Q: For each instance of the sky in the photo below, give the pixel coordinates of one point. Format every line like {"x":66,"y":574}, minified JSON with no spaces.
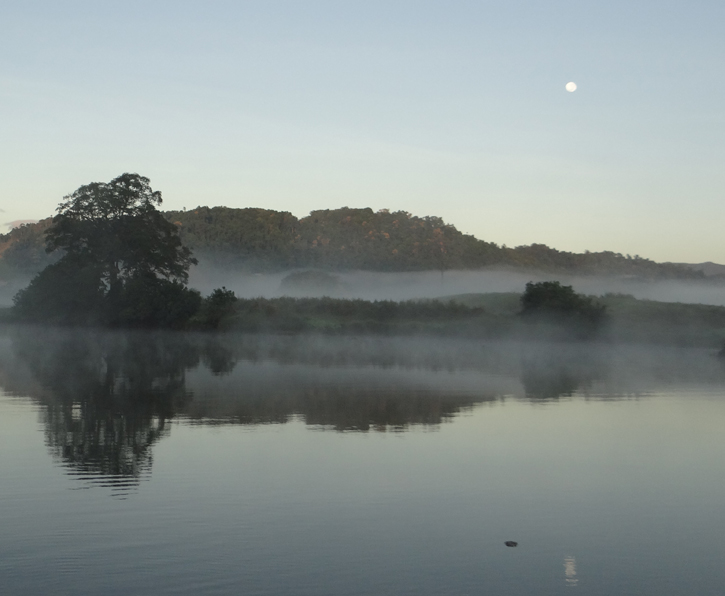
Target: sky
{"x":449,"y":108}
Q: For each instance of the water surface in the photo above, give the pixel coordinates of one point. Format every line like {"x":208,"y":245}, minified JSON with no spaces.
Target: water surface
{"x":138,"y":463}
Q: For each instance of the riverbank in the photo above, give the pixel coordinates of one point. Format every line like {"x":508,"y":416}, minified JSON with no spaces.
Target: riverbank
{"x":486,"y":316}
{"x":474,"y":316}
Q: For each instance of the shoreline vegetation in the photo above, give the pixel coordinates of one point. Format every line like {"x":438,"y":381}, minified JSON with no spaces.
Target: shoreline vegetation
{"x":472,"y":316}
{"x":116,"y":261}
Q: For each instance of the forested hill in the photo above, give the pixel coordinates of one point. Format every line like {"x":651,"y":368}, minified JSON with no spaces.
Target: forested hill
{"x":347,"y":238}
{"x":22,"y":250}
{"x":265,"y":240}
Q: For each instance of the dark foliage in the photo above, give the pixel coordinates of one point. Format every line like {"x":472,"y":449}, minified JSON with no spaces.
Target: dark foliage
{"x":147,"y":301}
{"x":330,"y":315}
{"x":337,"y":239}
{"x":216,"y":307}
{"x":115,"y":226}
{"x":108,"y":396}
{"x":398,"y":241}
{"x":122,"y":262}
{"x":257,"y":239}
{"x":549,"y":302}
{"x":64,"y":293}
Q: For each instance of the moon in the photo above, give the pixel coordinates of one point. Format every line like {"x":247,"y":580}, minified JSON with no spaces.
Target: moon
{"x":571,"y":86}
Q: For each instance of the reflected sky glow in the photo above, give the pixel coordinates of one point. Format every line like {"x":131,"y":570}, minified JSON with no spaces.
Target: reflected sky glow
{"x":286,"y":469}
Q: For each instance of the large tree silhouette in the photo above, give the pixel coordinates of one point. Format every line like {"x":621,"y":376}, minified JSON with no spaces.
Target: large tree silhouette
{"x":122,"y":263}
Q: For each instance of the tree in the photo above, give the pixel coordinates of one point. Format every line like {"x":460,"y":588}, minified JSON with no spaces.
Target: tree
{"x":63,"y":293}
{"x":120,"y":255}
{"x":219,"y":305}
{"x":552,"y":303}
{"x":116,"y":225}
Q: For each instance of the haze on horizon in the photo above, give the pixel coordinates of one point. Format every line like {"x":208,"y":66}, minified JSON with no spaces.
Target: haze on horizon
{"x":455,"y":109}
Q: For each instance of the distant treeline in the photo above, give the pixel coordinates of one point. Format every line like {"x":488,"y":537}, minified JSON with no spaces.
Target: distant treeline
{"x":263,"y":240}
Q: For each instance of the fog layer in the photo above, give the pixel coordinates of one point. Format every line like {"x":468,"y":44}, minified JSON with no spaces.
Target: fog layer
{"x":371,"y":285}
{"x":106,"y":398}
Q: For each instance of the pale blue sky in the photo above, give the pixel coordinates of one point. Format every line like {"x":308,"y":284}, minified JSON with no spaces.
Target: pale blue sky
{"x":455,"y":109}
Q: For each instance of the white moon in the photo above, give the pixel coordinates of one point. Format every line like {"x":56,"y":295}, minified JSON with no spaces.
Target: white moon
{"x":571,"y":86}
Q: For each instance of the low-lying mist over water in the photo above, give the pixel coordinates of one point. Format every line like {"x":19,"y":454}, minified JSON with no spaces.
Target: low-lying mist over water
{"x":107,"y":396}
{"x":372,"y":285}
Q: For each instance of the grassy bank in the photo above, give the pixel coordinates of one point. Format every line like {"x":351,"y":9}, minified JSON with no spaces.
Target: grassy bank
{"x":629,"y":319}
{"x":486,"y":316}
{"x":337,"y":316}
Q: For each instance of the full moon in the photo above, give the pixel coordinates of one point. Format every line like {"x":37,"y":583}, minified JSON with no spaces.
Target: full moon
{"x":571,"y":86}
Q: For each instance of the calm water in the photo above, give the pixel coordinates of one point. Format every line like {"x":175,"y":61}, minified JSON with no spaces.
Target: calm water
{"x":173,"y":464}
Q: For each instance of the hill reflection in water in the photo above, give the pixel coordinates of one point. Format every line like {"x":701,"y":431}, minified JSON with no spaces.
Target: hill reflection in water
{"x":107,"y":397}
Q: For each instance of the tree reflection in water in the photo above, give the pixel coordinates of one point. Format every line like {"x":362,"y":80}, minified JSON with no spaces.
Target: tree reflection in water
{"x":552,"y":375}
{"x":107,"y":397}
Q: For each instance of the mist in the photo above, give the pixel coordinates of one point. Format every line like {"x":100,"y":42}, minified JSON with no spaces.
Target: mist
{"x":106,"y":398}
{"x":371,"y":285}
{"x":411,"y":285}
{"x":8,"y":289}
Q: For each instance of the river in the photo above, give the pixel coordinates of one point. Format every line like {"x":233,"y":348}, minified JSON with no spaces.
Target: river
{"x":139,"y":463}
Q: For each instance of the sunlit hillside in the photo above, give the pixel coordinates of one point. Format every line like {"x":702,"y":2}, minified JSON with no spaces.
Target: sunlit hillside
{"x":263,"y":240}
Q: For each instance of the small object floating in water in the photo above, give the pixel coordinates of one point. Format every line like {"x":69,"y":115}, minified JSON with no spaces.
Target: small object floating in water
{"x":511,"y":543}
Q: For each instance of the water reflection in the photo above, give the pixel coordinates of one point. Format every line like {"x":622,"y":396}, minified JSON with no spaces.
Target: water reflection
{"x":552,"y":375}
{"x":109,"y":397}
{"x":570,"y":572}
{"x":331,"y":399}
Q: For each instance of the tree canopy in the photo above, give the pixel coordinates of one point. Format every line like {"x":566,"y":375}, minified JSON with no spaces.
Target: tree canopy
{"x":117,"y":227}
{"x":552,"y":302}
{"x":122,"y":261}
